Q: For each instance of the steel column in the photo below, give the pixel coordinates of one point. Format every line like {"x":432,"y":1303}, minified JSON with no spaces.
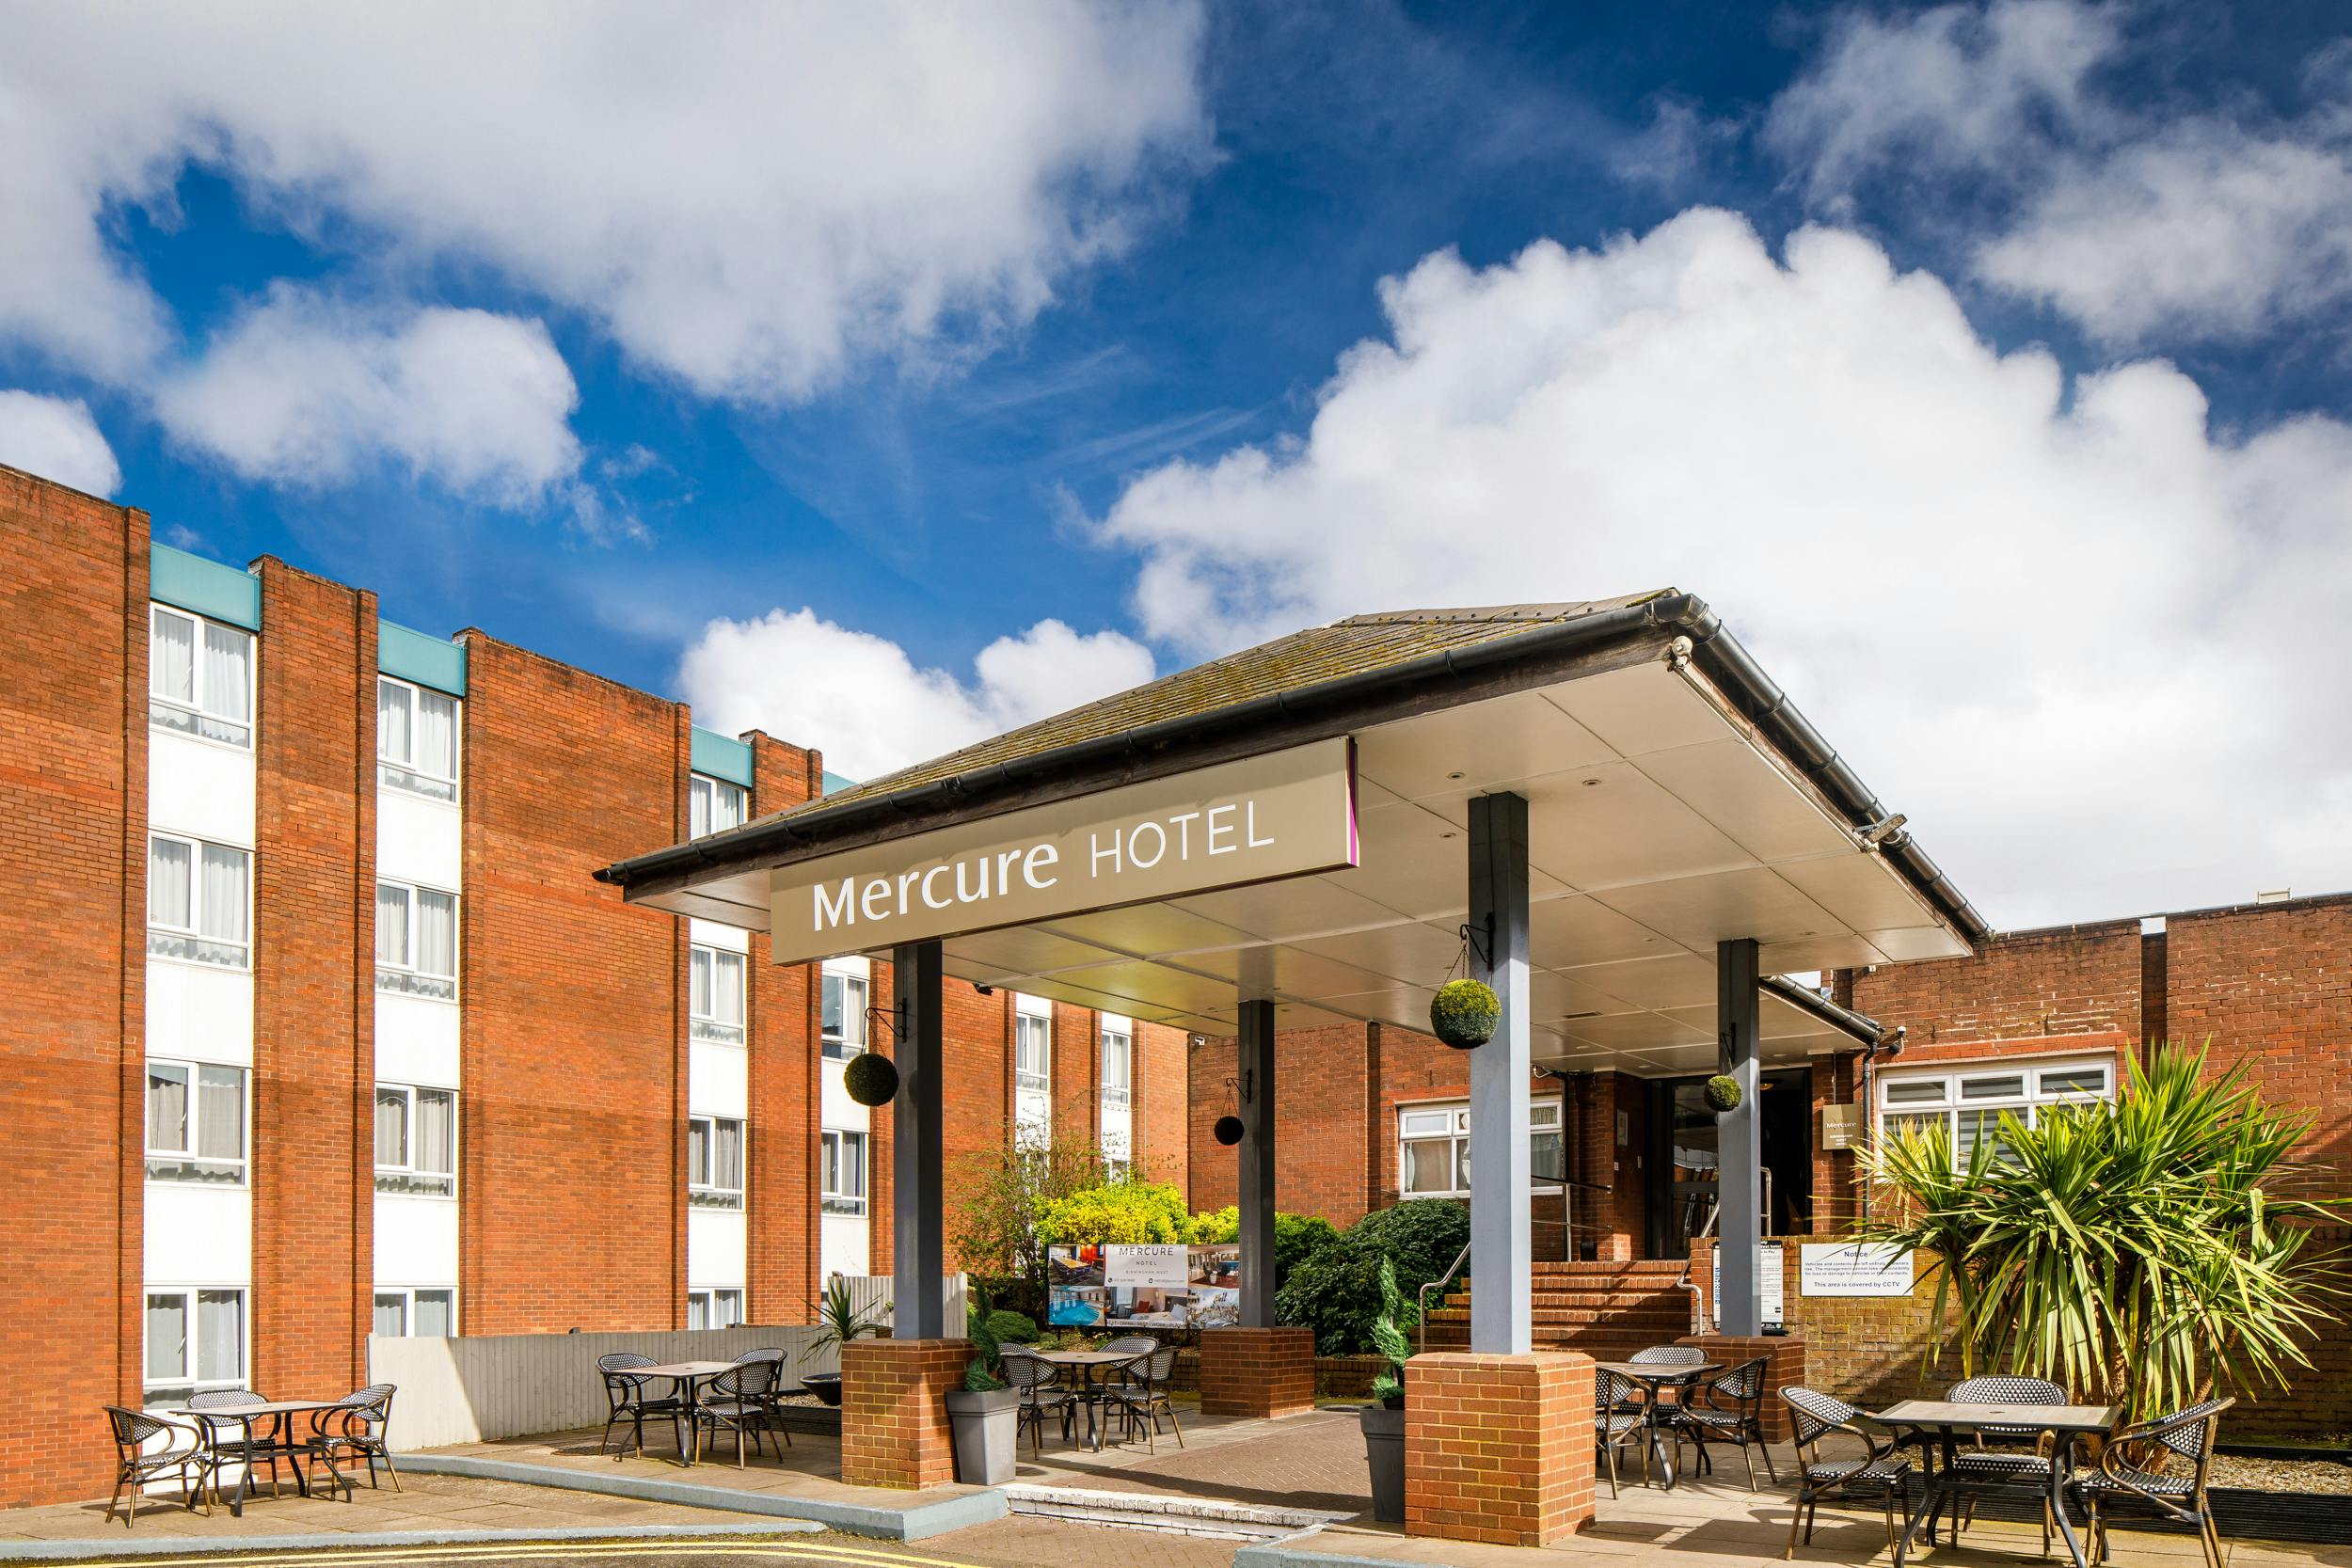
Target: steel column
{"x":1257,"y":1164}
{"x":918,"y":1273}
{"x":1501,"y":1321}
{"x":1738,"y":1142}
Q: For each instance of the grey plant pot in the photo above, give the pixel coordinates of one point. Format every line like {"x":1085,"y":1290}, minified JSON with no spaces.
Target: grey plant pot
{"x":987,"y":1429}
{"x":1384,"y":1449}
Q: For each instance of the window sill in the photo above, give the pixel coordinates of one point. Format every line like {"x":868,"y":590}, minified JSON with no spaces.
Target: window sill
{"x":167,"y":1170}
{"x":439,"y":1189}
{"x":193,"y":728}
{"x":849,"y":1207}
{"x":420,"y":786}
{"x":704,"y":1032}
{"x":422,"y":988}
{"x":157,"y":952}
{"x":708,"y":1198}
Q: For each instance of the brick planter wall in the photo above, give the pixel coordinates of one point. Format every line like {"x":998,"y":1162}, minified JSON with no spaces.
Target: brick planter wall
{"x":1257,"y":1371}
{"x":1347,"y":1377}
{"x":894,"y":1411}
{"x":1499,"y":1448}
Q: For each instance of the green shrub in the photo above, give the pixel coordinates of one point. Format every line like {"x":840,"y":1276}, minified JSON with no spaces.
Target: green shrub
{"x":979,"y":1373}
{"x":1118,"y":1214}
{"x":1013,"y":1328}
{"x":1336,"y":1289}
{"x":1297,"y":1237}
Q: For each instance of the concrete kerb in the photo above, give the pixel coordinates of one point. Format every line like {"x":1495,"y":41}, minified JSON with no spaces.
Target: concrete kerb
{"x":183,"y":1546}
{"x":917,"y":1521}
{"x":1293,"y":1552}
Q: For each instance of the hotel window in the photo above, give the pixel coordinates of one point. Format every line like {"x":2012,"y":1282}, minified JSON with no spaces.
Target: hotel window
{"x":715,"y":995}
{"x":1032,"y":1051}
{"x":841,"y":1182}
{"x":416,"y":739}
{"x":842,"y":1020}
{"x":1967,"y":1102}
{"x":714,"y":1308}
{"x":714,"y":805}
{"x":416,"y":1141}
{"x":416,"y":941}
{"x":714,"y":1161}
{"x":417,"y":1314}
{"x":195,"y":1340}
{"x":1434,"y":1147}
{"x":199,"y":901}
{"x":195,"y":1120}
{"x":199,"y":677}
{"x":1118,"y":1060}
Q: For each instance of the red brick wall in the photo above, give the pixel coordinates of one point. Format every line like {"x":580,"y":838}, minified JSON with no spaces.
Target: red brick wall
{"x":73,"y":830}
{"x":574,"y":1038}
{"x":977,"y":1035}
{"x":1498,"y":1448}
{"x":781,"y":1164}
{"x":894,"y":1411}
{"x":2066,"y":980}
{"x":879,"y":1179}
{"x":313,"y":987}
{"x":1078,"y":1069}
{"x":2271,"y":985}
{"x":1162,"y":1094}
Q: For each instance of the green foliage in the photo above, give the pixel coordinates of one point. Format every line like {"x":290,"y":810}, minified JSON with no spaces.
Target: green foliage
{"x":979,"y":1373}
{"x":1011,"y":1327}
{"x":1002,"y":1193}
{"x":870,"y":1078}
{"x":1297,"y":1237}
{"x":1722,"y":1094}
{"x":1124,"y":1213}
{"x":2135,"y":1252}
{"x":1388,"y":1335}
{"x":838,"y":1321}
{"x":1464,"y":1013}
{"x":1336,"y":1290}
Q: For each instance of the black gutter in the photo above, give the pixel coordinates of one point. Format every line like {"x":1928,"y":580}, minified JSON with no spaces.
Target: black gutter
{"x":1684,"y":614}
{"x":1869,"y":1031}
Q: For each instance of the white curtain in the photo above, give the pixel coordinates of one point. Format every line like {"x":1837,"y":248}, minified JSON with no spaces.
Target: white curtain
{"x":437,"y":933}
{"x":167,"y":1107}
{"x":437,"y":1131}
{"x":391,"y":721}
{"x":392,"y":1315}
{"x":727,"y":1163}
{"x":391,"y":925}
{"x":219,"y":1334}
{"x":433,"y":1315}
{"x":167,"y":1337}
{"x":228,"y":671}
{"x":168,"y":864}
{"x":224,"y":910}
{"x":391,"y":1128}
{"x":698,"y":1153}
{"x":220,"y":1112}
{"x":698,"y":987}
{"x":728,"y":988}
{"x":436,"y":733}
{"x":171,"y":656}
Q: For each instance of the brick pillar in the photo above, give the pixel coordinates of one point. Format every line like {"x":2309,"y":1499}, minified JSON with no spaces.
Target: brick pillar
{"x":894,"y":1411}
{"x":781,"y":1223}
{"x":1497,"y":1448}
{"x":1257,"y":1371}
{"x":1785,"y":1357}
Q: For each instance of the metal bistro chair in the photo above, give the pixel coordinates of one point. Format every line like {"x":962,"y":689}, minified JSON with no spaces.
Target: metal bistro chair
{"x":1880,"y":1470}
{"x":1142,"y":1395}
{"x":247,"y":1450}
{"x":2188,"y":1434}
{"x":772,"y":1357}
{"x":2000,"y":1460}
{"x":357,"y":1425}
{"x":1038,"y":1382}
{"x":1620,"y":1415}
{"x":737,"y":1400}
{"x":1729,"y":1408}
{"x":1669,"y":1412}
{"x":136,"y":1464}
{"x":626,"y":1398}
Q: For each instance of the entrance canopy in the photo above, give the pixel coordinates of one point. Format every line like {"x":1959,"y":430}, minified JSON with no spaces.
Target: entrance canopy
{"x":1676,"y":800}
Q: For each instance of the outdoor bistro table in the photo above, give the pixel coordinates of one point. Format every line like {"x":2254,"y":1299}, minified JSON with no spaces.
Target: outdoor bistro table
{"x":1655,"y":1377}
{"x":690,"y":1376}
{"x":1088,"y":1362}
{"x":1941,"y":1423}
{"x":280,"y":1414}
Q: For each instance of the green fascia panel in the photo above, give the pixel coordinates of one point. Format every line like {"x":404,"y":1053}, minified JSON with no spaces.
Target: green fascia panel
{"x":432,"y":662}
{"x":207,"y":587}
{"x":834,"y":783}
{"x":722,"y":756}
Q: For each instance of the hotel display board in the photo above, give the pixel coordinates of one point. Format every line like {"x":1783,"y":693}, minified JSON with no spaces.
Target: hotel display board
{"x":1286,"y":814}
{"x":1143,"y":1287}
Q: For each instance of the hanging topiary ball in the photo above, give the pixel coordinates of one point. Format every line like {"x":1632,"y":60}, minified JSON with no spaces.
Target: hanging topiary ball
{"x":871,"y":1078}
{"x":1722,"y":1094}
{"x":1464,"y":1013}
{"x":1228,"y":1130}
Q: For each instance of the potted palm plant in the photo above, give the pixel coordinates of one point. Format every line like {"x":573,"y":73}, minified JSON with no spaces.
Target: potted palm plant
{"x":838,"y":1321}
{"x":985,"y":1412}
{"x":1384,"y":1419}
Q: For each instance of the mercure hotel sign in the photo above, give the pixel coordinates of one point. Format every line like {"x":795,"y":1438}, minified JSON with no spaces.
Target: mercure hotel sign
{"x":1282,"y":815}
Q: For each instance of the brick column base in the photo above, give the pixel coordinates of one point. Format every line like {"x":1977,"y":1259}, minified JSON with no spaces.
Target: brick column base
{"x":1257,"y":1371}
{"x":1785,"y":1355}
{"x":1499,"y":1448}
{"x":894,"y":1411}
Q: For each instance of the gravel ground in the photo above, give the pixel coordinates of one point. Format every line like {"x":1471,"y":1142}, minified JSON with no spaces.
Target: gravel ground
{"x":2282,"y":1475}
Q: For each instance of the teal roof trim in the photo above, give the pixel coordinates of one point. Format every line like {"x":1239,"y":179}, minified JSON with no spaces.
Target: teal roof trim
{"x":432,"y":662}
{"x":835,"y":781}
{"x":722,"y":756}
{"x":207,"y":587}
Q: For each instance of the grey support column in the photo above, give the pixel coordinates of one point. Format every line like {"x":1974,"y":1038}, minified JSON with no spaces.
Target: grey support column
{"x":918,"y":1259}
{"x":1738,"y":1143}
{"x":1501,"y":1310}
{"x":1257,"y":1164}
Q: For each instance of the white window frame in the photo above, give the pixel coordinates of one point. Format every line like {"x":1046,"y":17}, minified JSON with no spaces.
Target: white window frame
{"x":408,"y":773}
{"x":705,"y":798}
{"x":1039,"y":1078}
{"x":707,"y":1300}
{"x":702,"y":1021}
{"x":184,"y":1165}
{"x":404,"y":977}
{"x":407,"y":1295}
{"x":1897,"y":1097}
{"x":190,"y":1297}
{"x":198,"y":713}
{"x":1543,"y":1118}
{"x":1120,"y":1096}
{"x":411,"y":1180}
{"x":849,"y":1039}
{"x":163,"y":937}
{"x":702,"y":1190}
{"x":834,"y":1145}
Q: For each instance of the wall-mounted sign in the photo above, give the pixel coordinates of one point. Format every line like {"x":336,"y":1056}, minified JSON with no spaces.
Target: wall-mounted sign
{"x":1147,"y":1267}
{"x":1283,"y":815}
{"x":1770,"y":1286}
{"x":1852,"y":1269}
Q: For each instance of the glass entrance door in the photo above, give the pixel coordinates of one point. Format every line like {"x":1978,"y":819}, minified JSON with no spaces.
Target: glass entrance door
{"x":1683,"y":1172}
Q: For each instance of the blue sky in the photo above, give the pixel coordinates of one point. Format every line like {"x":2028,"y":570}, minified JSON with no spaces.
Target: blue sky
{"x":884,"y":375}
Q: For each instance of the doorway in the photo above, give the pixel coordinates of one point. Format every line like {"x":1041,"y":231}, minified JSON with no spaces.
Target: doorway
{"x":1683,"y":1170}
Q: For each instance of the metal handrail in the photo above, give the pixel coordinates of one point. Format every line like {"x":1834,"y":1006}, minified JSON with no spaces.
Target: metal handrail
{"x":1420,"y":1303}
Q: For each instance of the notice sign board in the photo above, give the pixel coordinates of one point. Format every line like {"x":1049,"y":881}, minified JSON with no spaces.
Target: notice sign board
{"x":1852,"y":1269}
{"x":1286,"y":814}
{"x":1145,"y":1267}
{"x":1770,"y":1287}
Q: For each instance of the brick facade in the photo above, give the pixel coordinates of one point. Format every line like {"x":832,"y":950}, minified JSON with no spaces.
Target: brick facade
{"x":1498,"y":1448}
{"x":782,"y":1259}
{"x":1257,"y":1373}
{"x":894,"y":1411}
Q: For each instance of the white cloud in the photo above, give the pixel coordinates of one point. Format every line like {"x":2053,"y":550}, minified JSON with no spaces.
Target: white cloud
{"x":302,"y":390}
{"x":56,"y":438}
{"x":870,"y":707}
{"x":2077,"y":635}
{"x":745,"y":202}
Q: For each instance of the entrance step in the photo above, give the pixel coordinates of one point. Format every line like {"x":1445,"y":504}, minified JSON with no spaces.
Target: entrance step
{"x":1168,"y":1514}
{"x":1605,"y":1309}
